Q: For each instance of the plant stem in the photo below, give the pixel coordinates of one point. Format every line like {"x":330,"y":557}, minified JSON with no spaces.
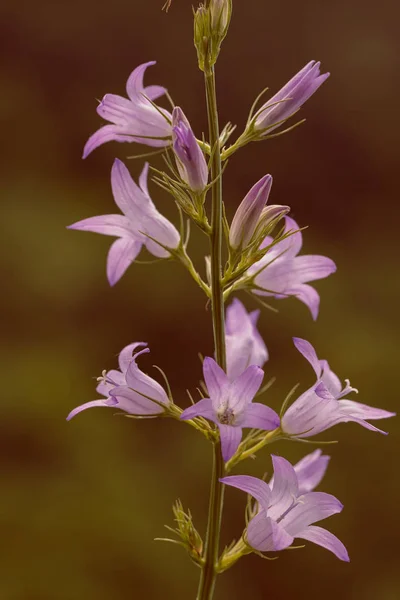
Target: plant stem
{"x":211,"y":548}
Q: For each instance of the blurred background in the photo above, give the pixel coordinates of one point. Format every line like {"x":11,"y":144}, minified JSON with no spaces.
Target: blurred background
{"x":81,"y":502}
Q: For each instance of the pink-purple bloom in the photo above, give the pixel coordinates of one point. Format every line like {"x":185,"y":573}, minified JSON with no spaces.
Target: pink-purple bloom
{"x":281,"y":273}
{"x":136,"y":119}
{"x":287,"y":512}
{"x":135,"y":228}
{"x":244,"y":344}
{"x":129,"y":389}
{"x":230,"y":405}
{"x":309,"y":471}
{"x":253,"y":213}
{"x":190,"y":159}
{"x":290,"y":98}
{"x":324,"y":404}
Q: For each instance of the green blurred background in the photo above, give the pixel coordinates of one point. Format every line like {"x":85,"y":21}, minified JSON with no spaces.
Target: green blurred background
{"x":81,"y":502}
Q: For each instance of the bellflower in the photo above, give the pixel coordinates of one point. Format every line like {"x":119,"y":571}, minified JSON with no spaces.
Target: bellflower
{"x":190,"y":159}
{"x":230,"y":405}
{"x":287,"y":513}
{"x":128,"y":389}
{"x":244,"y":344}
{"x":134,"y":120}
{"x":290,"y":98}
{"x":324,"y":405}
{"x":281,"y":273}
{"x":140,"y":219}
{"x":252,"y":213}
{"x":309,"y":471}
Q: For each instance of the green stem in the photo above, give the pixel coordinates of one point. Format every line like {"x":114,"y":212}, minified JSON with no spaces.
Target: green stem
{"x":211,"y":548}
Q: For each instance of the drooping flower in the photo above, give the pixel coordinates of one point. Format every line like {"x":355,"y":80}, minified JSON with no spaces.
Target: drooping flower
{"x":252,"y":214}
{"x":244,"y":344}
{"x":140,"y":219}
{"x":190,"y":159}
{"x":309,"y":471}
{"x":287,"y":513}
{"x":324,"y":404}
{"x":281,"y":273}
{"x":134,"y":120}
{"x":290,"y":98}
{"x":230,"y":405}
{"x":128,"y":389}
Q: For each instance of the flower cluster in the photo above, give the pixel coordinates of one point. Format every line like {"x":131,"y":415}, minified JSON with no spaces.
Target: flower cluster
{"x":262,"y":245}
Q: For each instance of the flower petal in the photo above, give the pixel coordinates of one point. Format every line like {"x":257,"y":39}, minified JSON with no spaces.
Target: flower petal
{"x":153,"y":92}
{"x":116,"y":225}
{"x":244,"y":388}
{"x":308,"y":295}
{"x":159,"y":228}
{"x":230,"y":440}
{"x":216,"y":380}
{"x":326,"y":539}
{"x":265,"y":535}
{"x":118,"y":110}
{"x":109,"y":133}
{"x":121,"y":254}
{"x":363,"y":411}
{"x":310,"y":470}
{"x":244,"y":344}
{"x":307,"y":350}
{"x":127,"y":195}
{"x":125,"y":356}
{"x":311,"y":267}
{"x":285,"y":488}
{"x":331,"y":380}
{"x":134,"y":85}
{"x":144,"y":384}
{"x":143,"y":179}
{"x":87,"y":405}
{"x":203,"y":408}
{"x":310,"y":414}
{"x":114,"y":376}
{"x":251,"y":485}
{"x":310,"y":508}
{"x":133,"y":403}
{"x":259,"y":416}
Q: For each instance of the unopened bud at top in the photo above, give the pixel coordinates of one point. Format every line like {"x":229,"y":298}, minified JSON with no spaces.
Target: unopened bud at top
{"x":190,"y":159}
{"x":220,"y":11}
{"x":248,"y":215}
{"x":211,"y":24}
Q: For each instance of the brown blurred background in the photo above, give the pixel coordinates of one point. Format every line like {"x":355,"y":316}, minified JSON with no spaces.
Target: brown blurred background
{"x":81,"y":502}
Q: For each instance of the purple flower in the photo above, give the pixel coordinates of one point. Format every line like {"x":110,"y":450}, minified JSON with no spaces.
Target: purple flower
{"x":190,"y":159}
{"x":230,"y":405}
{"x":324,"y":405}
{"x":309,"y":470}
{"x":140,"y":219}
{"x":253,"y":214}
{"x":128,"y":389}
{"x":244,"y":344}
{"x":133,"y":120}
{"x":282,"y":273}
{"x":290,"y":98}
{"x":286,"y":512}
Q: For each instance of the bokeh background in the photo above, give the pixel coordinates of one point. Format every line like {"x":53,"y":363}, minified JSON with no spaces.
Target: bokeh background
{"x":81,"y":502}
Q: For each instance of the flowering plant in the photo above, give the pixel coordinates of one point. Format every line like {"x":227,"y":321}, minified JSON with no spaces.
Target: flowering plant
{"x":257,"y":253}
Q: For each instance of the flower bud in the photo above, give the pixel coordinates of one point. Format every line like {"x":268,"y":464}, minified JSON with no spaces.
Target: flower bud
{"x":190,"y":159}
{"x":248,"y":214}
{"x":221,"y":11}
